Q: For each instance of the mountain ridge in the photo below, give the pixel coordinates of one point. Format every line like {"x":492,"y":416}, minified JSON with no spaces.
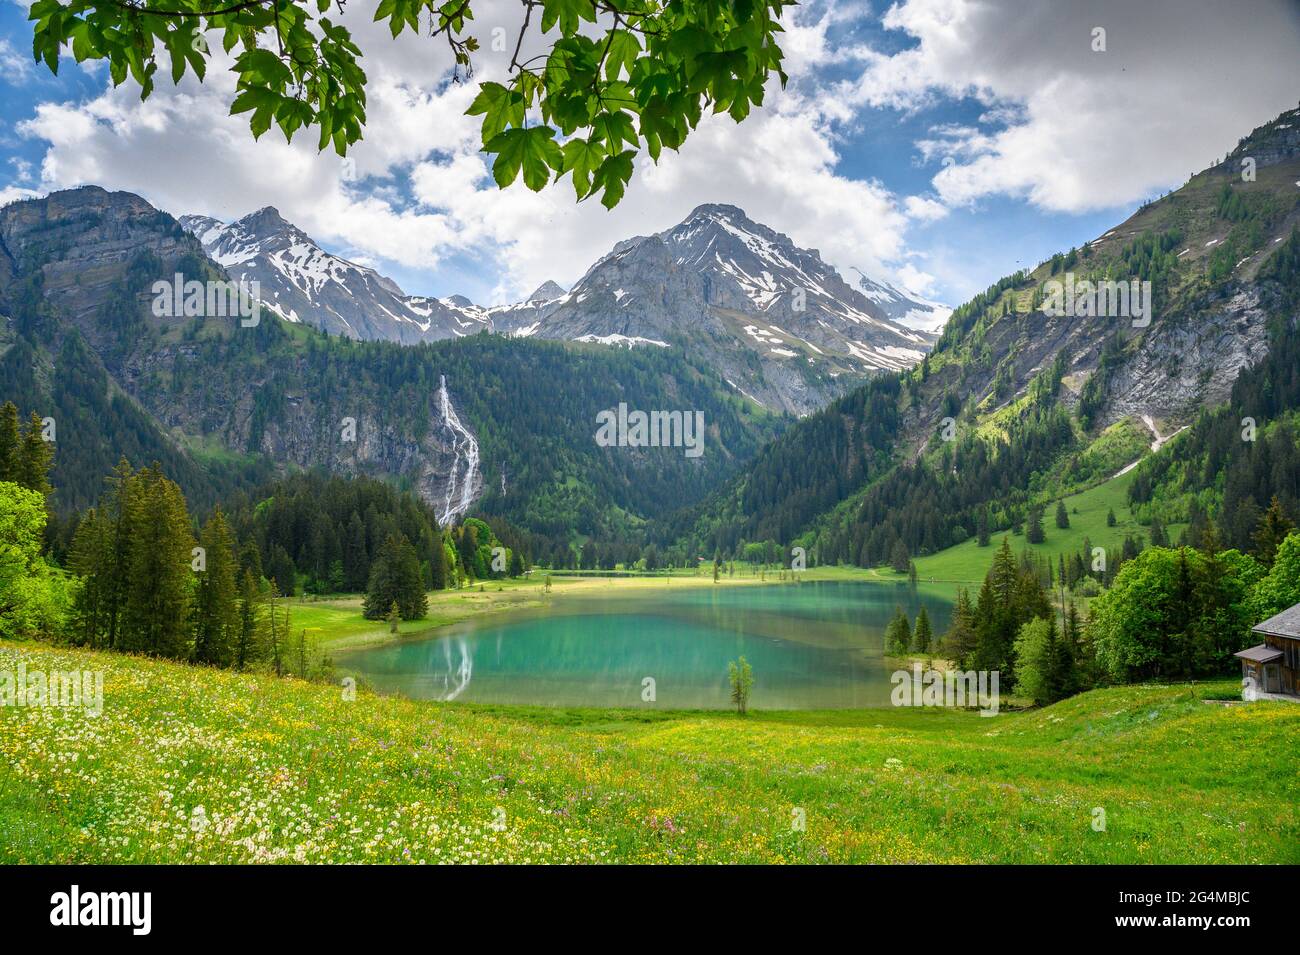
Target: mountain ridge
{"x":782,"y":327}
{"x":1016,"y":402}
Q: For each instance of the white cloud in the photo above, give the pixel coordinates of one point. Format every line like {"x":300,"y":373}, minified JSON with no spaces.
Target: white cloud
{"x":1087,"y":130}
{"x":15,"y":67}
{"x":924,"y":209}
{"x":182,"y":151}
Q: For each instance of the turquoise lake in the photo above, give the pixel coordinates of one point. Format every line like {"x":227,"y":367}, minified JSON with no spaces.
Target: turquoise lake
{"x":813,"y":645}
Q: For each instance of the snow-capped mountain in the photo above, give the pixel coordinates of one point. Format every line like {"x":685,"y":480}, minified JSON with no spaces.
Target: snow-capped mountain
{"x":301,"y":282}
{"x":904,"y":308}
{"x":777,"y":323}
{"x":781,"y":325}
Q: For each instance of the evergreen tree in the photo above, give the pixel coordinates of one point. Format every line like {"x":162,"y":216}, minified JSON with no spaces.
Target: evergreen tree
{"x":277,"y":624}
{"x":122,"y":487}
{"x":159,"y":583}
{"x":1034,"y":533}
{"x":438,"y":578}
{"x":1011,"y":596}
{"x":1274,"y":528}
{"x":922,"y":636}
{"x":960,"y":641}
{"x":250,"y":642}
{"x":899,"y":558}
{"x":1110,"y":517}
{"x":395,"y":579}
{"x":982,"y":528}
{"x":1044,"y":667}
{"x":91,"y":559}
{"x":34,"y":458}
{"x":10,"y":441}
{"x":250,"y":560}
{"x":898,"y":635}
{"x":1062,"y":516}
{"x":467,"y":550}
{"x":356,"y":562}
{"x":283,"y":572}
{"x":217,"y":623}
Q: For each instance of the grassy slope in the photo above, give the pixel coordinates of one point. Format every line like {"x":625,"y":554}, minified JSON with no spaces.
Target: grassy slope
{"x":286,"y":770}
{"x":968,"y":562}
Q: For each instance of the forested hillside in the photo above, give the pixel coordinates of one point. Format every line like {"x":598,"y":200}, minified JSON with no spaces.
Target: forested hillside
{"x":1019,"y":405}
{"x":222,"y":406}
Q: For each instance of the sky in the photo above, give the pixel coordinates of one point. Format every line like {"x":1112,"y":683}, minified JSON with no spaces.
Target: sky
{"x":934,"y":144}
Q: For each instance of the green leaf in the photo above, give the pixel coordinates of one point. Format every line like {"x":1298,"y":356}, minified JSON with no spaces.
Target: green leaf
{"x":567,"y":13}
{"x":615,"y":128}
{"x":499,"y":107}
{"x":613,"y":176}
{"x":581,"y":158}
{"x":623,"y":51}
{"x":533,"y":150}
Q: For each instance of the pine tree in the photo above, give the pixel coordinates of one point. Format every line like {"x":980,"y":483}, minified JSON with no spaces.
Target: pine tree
{"x":277,"y":629}
{"x":160,"y":583}
{"x":250,"y":560}
{"x":115,"y":509}
{"x":1010,"y":597}
{"x":982,"y":528}
{"x":1274,"y":527}
{"x":960,"y":641}
{"x":1062,"y":516}
{"x":395,"y":578}
{"x":283,"y":571}
{"x":438,"y":564}
{"x":217,"y":624}
{"x":922,"y":635}
{"x":355,"y":559}
{"x":91,"y":558}
{"x":10,"y":441}
{"x":1034,"y":533}
{"x":898,"y":635}
{"x":899,"y":558}
{"x":250,"y":642}
{"x":467,"y":549}
{"x":35,"y":456}
{"x":1110,"y":517}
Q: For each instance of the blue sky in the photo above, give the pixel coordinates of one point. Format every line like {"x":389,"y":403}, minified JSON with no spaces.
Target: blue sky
{"x":937,"y":144}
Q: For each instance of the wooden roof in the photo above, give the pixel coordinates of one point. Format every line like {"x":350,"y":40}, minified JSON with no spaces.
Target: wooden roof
{"x":1260,"y":654}
{"x":1284,"y":624}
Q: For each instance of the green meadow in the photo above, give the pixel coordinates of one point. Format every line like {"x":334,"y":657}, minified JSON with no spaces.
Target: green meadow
{"x":189,"y":764}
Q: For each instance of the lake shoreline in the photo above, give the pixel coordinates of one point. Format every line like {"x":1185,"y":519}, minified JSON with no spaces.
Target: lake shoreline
{"x":450,"y":607}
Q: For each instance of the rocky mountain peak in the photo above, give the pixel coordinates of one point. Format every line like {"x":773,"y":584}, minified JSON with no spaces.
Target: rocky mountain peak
{"x":546,"y":292}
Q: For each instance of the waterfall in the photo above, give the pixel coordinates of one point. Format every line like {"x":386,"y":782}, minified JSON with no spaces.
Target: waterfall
{"x":460,"y":488}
